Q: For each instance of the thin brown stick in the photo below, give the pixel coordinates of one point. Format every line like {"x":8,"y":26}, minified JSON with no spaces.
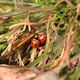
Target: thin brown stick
{"x":21,"y":43}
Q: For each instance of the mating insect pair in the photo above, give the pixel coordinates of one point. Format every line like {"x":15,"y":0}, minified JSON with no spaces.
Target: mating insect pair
{"x":41,"y":39}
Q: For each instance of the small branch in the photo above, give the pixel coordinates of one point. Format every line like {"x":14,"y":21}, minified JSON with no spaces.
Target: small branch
{"x":21,"y":43}
{"x":25,"y":40}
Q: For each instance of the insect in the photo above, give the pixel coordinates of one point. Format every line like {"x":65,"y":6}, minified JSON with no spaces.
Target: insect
{"x":35,"y":43}
{"x":42,"y":38}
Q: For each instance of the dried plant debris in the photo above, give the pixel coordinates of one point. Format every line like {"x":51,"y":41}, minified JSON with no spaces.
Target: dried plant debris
{"x":44,"y":34}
